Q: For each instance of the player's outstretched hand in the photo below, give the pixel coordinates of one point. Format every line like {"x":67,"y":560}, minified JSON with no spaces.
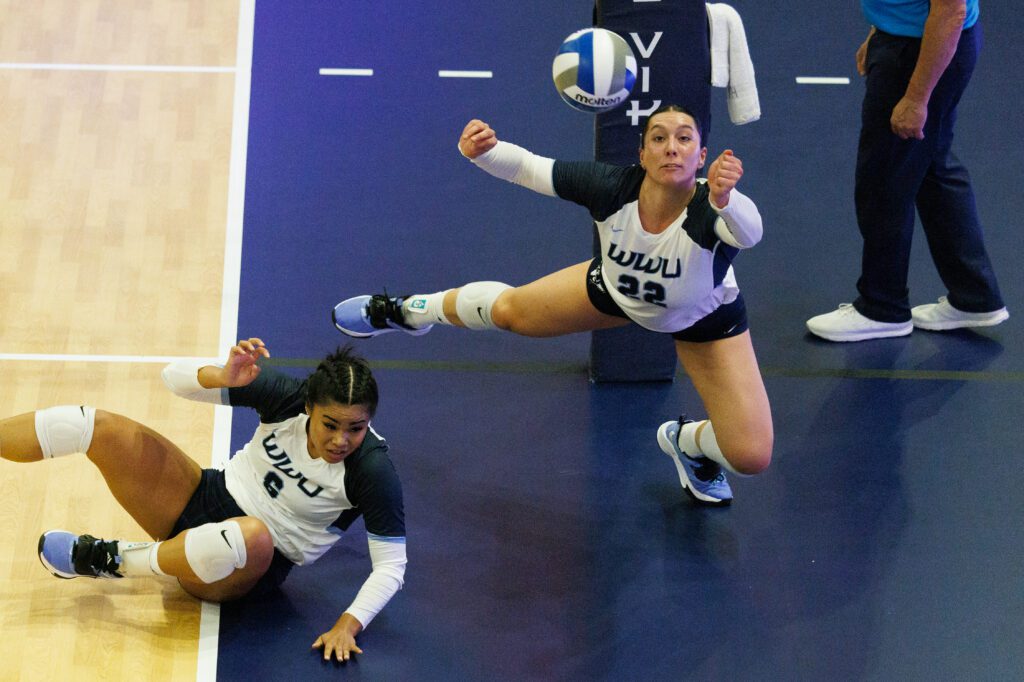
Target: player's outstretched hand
{"x":340,"y":641}
{"x":723,"y":175}
{"x":241,"y":368}
{"x":477,"y":138}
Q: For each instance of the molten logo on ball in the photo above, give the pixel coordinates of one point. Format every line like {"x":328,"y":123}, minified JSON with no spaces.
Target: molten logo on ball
{"x":594,"y":70}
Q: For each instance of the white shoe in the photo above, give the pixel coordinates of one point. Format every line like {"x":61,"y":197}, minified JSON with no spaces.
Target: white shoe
{"x":846,"y":324}
{"x":942,"y":316}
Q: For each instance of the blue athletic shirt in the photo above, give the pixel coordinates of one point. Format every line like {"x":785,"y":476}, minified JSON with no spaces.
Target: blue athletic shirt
{"x":907,"y":17}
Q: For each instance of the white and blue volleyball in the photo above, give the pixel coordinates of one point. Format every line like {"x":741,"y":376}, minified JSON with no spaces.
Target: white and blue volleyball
{"x":594,"y":70}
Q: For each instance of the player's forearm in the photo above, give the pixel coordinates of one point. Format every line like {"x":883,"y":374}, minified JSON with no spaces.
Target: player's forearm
{"x":938,"y":44}
{"x":385,"y":580}
{"x":376,"y":592}
{"x":515,"y":164}
{"x":185,"y":378}
{"x":741,"y":224}
{"x":211,"y":376}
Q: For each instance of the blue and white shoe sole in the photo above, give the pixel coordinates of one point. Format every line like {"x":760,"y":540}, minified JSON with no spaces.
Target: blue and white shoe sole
{"x":350,"y":332}
{"x":672,"y":450}
{"x":373,"y":331}
{"x":57,"y":573}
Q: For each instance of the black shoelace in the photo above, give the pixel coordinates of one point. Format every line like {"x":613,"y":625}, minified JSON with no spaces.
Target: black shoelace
{"x":92,"y":556}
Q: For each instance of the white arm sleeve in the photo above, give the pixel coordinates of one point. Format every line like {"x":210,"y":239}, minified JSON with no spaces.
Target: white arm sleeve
{"x":515,"y":164}
{"x":739,"y":223}
{"x":182,"y":377}
{"x":386,"y":578}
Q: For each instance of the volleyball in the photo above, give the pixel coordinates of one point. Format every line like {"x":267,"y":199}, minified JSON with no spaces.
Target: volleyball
{"x":594,"y":70}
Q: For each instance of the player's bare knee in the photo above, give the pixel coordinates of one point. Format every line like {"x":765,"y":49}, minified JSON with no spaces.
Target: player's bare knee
{"x":503,"y":313}
{"x":514,"y":315}
{"x":111,"y":434}
{"x":259,"y":544}
{"x":225,"y":590}
{"x":753,"y":465}
{"x":111,"y":429}
{"x":750,"y":457}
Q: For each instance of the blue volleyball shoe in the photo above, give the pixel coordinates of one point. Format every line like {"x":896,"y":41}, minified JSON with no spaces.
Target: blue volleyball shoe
{"x":67,"y":555}
{"x":703,"y":479}
{"x":368,"y":316}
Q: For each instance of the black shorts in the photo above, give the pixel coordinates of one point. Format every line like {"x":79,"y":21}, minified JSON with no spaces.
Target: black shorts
{"x":725,"y":321}
{"x":212,"y":503}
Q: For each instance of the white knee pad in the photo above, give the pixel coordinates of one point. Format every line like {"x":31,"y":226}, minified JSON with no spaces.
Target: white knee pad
{"x":65,"y":430}
{"x":215,"y":550}
{"x":474,"y":302}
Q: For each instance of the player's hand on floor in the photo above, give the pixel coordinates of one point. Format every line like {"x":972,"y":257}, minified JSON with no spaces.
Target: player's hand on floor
{"x":340,"y":641}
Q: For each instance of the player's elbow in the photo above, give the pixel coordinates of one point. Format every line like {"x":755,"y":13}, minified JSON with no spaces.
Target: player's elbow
{"x":395,"y":573}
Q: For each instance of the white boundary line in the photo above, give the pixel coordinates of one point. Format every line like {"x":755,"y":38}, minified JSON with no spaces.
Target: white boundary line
{"x":822,"y":80}
{"x":465,"y":74}
{"x":131,"y":359}
{"x":209,"y":617}
{"x":346,"y":72}
{"x":25,"y":66}
{"x":443,"y":73}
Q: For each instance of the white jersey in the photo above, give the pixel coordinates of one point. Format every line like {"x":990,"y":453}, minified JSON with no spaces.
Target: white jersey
{"x":664,"y":282}
{"x":306,"y":502}
{"x":274,"y":479}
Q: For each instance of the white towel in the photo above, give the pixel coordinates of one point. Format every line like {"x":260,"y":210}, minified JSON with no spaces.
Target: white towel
{"x":731,"y":66}
{"x":719,"y":44}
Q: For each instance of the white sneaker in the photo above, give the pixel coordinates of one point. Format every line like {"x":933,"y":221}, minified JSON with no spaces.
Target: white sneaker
{"x":942,"y":316}
{"x":846,"y":324}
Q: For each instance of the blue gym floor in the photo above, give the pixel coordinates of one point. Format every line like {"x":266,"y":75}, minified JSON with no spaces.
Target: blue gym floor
{"x":548,"y":536}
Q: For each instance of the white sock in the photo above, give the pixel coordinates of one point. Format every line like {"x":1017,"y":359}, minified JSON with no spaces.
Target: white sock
{"x":703,"y":445}
{"x":424,"y":310}
{"x":139,"y":558}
